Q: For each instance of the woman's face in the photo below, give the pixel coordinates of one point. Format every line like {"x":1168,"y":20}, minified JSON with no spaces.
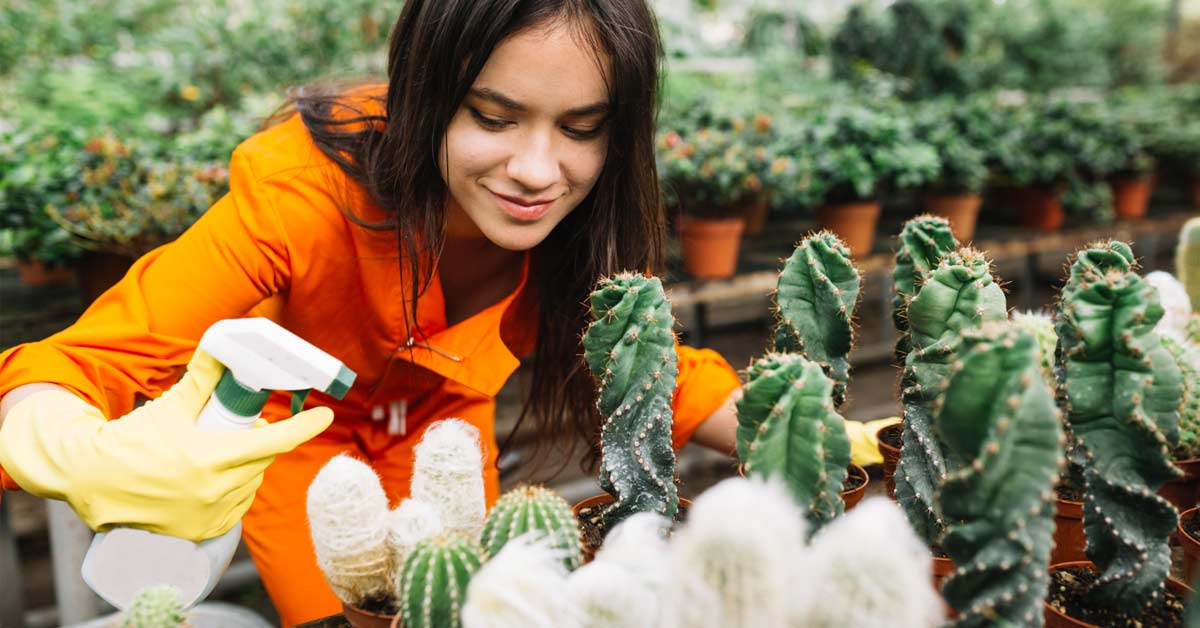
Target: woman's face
{"x":529,"y":140}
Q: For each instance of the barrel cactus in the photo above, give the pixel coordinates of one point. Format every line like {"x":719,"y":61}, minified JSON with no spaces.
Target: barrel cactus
{"x":999,"y":426}
{"x":527,"y":509}
{"x":814,"y":303}
{"x":1187,"y":260}
{"x":1123,"y":394}
{"x":155,"y":607}
{"x":958,"y":295}
{"x":788,"y":428}
{"x":923,"y":242}
{"x":433,"y":582}
{"x":1187,"y":357}
{"x":630,"y":349}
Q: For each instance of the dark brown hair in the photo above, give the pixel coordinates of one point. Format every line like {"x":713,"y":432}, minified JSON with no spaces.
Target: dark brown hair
{"x":437,"y":50}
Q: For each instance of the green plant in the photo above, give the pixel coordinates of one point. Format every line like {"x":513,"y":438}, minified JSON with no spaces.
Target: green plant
{"x":999,"y":428}
{"x":960,"y":294}
{"x":860,"y":151}
{"x":1187,"y":358}
{"x":924,"y":242}
{"x":155,"y":607}
{"x":1187,"y":260}
{"x":815,"y":300}
{"x":535,"y":509}
{"x":433,"y":582}
{"x":1051,"y":142}
{"x":1041,"y":327}
{"x":712,"y":172}
{"x":630,"y":349}
{"x":788,"y":429}
{"x":963,"y":163}
{"x":1122,"y":388}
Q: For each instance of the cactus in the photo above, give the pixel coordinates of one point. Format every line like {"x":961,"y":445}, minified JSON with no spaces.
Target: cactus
{"x":1041,"y":327}
{"x":1187,"y":358}
{"x":815,"y":300}
{"x":522,"y":586}
{"x":787,"y":428}
{"x":623,"y":586}
{"x":1191,"y":332}
{"x":407,"y":525}
{"x":347,"y":515}
{"x":867,"y":568}
{"x":533,"y":509}
{"x":158,"y":606}
{"x":1177,"y":306}
{"x":1123,"y":395}
{"x":999,"y":427}
{"x":960,"y":294}
{"x":434,"y":580}
{"x":924,"y":242}
{"x":1187,"y":260}
{"x":630,"y":349}
{"x":448,"y":475}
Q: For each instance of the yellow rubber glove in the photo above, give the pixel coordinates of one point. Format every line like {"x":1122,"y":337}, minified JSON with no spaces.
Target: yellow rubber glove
{"x":864,"y":448}
{"x":151,"y":468}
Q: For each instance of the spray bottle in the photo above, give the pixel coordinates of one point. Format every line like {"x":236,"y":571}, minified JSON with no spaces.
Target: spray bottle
{"x":259,"y":357}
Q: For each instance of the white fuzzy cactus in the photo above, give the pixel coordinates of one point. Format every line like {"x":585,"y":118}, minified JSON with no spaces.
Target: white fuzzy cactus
{"x":867,"y":568}
{"x":523,"y":586}
{"x":347,"y":515}
{"x":623,"y":586}
{"x":448,"y":475}
{"x":1177,"y":305}
{"x":733,"y":559}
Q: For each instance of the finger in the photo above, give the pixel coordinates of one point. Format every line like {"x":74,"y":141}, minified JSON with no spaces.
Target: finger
{"x":276,"y":438}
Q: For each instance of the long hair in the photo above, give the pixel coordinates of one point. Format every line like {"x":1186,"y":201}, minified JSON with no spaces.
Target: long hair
{"x":437,"y":50}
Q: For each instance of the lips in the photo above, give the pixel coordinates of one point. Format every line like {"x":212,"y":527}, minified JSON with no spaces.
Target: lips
{"x":525,"y":210}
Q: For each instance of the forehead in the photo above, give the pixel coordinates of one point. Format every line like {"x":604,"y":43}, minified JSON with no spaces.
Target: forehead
{"x":548,"y":68}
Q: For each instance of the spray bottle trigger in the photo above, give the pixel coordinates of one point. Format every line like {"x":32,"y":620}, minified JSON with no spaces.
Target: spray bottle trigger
{"x":298,"y":397}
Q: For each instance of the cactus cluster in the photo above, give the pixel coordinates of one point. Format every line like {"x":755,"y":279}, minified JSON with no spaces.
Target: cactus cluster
{"x":815,"y":300}
{"x":923,"y":242}
{"x":1122,"y":388}
{"x":433,"y":582}
{"x":999,"y":426}
{"x":630,"y":349}
{"x":960,"y":294}
{"x":158,"y":606}
{"x":533,"y":509}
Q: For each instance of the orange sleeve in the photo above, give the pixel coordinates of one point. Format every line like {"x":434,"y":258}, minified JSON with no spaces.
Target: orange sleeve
{"x":704,"y":383}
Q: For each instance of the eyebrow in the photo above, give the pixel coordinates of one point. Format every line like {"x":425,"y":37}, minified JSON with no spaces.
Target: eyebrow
{"x":508,"y":103}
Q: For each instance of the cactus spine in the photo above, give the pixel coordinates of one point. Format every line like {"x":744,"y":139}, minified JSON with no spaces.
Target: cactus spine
{"x":924,"y":242}
{"x":155,"y":607}
{"x":815,"y":300}
{"x":630,"y":349}
{"x":787,"y":428}
{"x":1123,"y":394}
{"x":999,"y":426}
{"x":533,"y":509}
{"x":434,"y":580}
{"x":959,"y":295}
{"x":1187,"y":260}
{"x":1187,"y":358}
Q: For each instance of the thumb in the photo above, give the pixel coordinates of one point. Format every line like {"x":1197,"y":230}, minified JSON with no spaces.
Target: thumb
{"x":278,"y":437}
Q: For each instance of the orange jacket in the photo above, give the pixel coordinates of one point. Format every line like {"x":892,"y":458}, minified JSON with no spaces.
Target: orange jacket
{"x":277,"y":246}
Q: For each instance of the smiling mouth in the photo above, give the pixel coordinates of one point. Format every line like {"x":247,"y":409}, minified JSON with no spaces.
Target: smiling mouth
{"x":522,"y":209}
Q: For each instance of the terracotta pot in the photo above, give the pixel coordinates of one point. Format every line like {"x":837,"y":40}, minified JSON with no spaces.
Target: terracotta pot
{"x":942,"y":567}
{"x":1040,"y":208}
{"x":359,"y":618}
{"x":396,"y":623}
{"x":710,"y":246}
{"x":1131,"y":196}
{"x":35,"y":273}
{"x":855,"y":495}
{"x":961,"y":210}
{"x":854,"y":223}
{"x":755,"y":211}
{"x":1069,"y":539}
{"x":97,"y":272}
{"x":891,"y":458}
{"x":1185,"y":491}
{"x":1056,"y":619}
{"x":589,"y":551}
{"x":1189,"y":543}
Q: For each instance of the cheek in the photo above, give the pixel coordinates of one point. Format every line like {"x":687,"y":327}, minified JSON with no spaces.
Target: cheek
{"x":584,"y":163}
{"x":470,"y":151}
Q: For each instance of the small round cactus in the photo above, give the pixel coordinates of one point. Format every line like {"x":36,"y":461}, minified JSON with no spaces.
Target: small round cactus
{"x":533,"y":509}
{"x":155,"y":607}
{"x":434,"y":580}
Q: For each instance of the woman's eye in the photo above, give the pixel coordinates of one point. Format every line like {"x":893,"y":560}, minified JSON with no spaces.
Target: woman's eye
{"x":584,"y":132}
{"x":491,"y":123}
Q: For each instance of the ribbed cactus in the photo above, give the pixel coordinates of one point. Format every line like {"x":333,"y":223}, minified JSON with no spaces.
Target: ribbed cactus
{"x":434,"y":580}
{"x":533,"y":509}
{"x":155,"y":607}
{"x":958,"y":295}
{"x":999,"y":426}
{"x":1187,"y":260}
{"x":630,"y":350}
{"x":1123,"y":395}
{"x":924,"y":242}
{"x":1041,"y":327}
{"x":815,"y":300}
{"x":1187,"y":358}
{"x":787,"y":428}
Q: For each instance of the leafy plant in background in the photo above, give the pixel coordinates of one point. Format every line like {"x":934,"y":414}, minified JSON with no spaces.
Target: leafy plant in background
{"x":963,"y":161}
{"x":712,"y":172}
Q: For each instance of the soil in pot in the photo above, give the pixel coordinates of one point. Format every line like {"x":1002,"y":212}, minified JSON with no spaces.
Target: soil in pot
{"x":854,"y":486}
{"x":374,"y":613}
{"x":890,"y":443}
{"x":1069,"y":584}
{"x":591,"y":526}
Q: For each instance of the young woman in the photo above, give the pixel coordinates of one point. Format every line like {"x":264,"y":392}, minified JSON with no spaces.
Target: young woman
{"x":427,"y":233}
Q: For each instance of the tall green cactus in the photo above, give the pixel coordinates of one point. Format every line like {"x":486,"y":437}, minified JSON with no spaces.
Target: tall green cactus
{"x":433,"y":582}
{"x":630,"y":349}
{"x":533,"y":509}
{"x":814,"y":303}
{"x":1123,"y":395}
{"x":924,"y":242}
{"x":788,"y":428}
{"x":999,"y":425}
{"x":1187,"y":260}
{"x":1187,"y":358}
{"x":958,"y":295}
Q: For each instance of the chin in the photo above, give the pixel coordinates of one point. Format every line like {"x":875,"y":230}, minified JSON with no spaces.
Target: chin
{"x":512,"y":238}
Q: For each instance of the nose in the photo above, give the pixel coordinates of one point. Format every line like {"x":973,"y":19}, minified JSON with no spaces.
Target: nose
{"x":534,"y":164}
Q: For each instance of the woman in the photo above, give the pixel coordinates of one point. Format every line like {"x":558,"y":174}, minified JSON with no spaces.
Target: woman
{"x":427,"y":233}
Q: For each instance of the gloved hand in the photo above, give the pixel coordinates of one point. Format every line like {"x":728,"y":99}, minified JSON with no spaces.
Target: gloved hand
{"x":151,"y":468}
{"x":864,"y":448}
